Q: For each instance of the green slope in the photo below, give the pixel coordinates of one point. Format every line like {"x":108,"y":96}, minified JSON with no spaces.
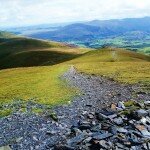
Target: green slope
{"x":121,"y":65}
{"x":6,"y":35}
{"x":23,"y":52}
{"x":112,"y":55}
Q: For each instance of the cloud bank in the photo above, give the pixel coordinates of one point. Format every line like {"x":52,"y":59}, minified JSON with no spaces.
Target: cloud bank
{"x":29,"y":12}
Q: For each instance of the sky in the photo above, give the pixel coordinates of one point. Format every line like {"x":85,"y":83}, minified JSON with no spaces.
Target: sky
{"x":33,"y":12}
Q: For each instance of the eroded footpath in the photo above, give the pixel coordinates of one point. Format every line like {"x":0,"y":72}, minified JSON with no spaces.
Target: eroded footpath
{"x":106,"y":115}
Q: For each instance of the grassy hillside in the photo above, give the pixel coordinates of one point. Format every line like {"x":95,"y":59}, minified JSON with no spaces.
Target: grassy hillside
{"x":121,"y":65}
{"x":44,"y":84}
{"x":111,"y":55}
{"x":6,"y":36}
{"x":23,"y":52}
{"x":34,"y":82}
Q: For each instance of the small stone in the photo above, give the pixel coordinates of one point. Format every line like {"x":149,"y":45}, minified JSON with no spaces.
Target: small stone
{"x":145,"y":146}
{"x":104,"y":144}
{"x":127,"y":143}
{"x":63,"y":147}
{"x":118,"y":121}
{"x":145,"y":133}
{"x":76,"y":140}
{"x":35,"y":138}
{"x":84,"y":125}
{"x":87,"y":140}
{"x":84,"y":112}
{"x":113,"y":107}
{"x":99,"y":136}
{"x":143,"y":120}
{"x":140,"y":127}
{"x":19,"y":139}
{"x":93,"y":123}
{"x":107,"y":112}
{"x":113,"y":130}
{"x":133,"y":148}
{"x":147,"y":103}
{"x":141,"y":113}
{"x":90,"y":116}
{"x":101,"y":117}
{"x":76,"y":131}
{"x":121,"y":105}
{"x":119,"y":109}
{"x":51,"y":132}
{"x":89,"y":105}
{"x":112,"y":116}
{"x":96,"y":128}
{"x":120,"y":146}
{"x":122,"y":130}
{"x":54,"y":116}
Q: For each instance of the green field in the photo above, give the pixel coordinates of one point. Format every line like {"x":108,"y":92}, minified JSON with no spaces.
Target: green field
{"x":133,"y":42}
{"x":43,"y":82}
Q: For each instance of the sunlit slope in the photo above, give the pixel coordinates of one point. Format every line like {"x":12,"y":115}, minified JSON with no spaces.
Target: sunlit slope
{"x":41,"y":83}
{"x":121,"y":65}
{"x":6,"y":35}
{"x":112,"y":55}
{"x":23,"y":52}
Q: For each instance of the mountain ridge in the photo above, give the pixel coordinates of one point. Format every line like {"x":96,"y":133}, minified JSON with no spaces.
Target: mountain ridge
{"x":104,"y":28}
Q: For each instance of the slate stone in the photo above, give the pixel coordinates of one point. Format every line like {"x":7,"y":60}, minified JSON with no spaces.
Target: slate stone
{"x":121,"y":105}
{"x":63,"y":147}
{"x":84,"y":127}
{"x":147,"y":103}
{"x":104,"y":144}
{"x":122,"y":130}
{"x":76,"y":140}
{"x":113,"y":130}
{"x":141,"y":113}
{"x":96,"y":128}
{"x":106,"y":112}
{"x":118,"y":121}
{"x":101,"y":116}
{"x":145,"y":133}
{"x":99,"y":136}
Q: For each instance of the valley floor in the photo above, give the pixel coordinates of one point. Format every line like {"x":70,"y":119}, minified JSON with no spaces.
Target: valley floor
{"x":28,"y":131}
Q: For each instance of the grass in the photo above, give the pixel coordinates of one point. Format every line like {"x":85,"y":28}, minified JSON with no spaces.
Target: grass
{"x":146,"y":50}
{"x":134,"y":41}
{"x":42,"y":83}
{"x":35,"y":58}
{"x":131,"y":72}
{"x":23,"y":52}
{"x":121,"y":65}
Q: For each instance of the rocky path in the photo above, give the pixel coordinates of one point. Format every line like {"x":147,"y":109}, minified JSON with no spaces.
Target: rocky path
{"x":83,"y":124}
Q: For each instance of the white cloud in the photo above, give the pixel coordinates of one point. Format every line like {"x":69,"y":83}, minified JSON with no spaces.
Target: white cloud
{"x":26,"y":12}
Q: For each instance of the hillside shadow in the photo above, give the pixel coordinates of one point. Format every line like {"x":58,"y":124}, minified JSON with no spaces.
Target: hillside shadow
{"x":35,"y":58}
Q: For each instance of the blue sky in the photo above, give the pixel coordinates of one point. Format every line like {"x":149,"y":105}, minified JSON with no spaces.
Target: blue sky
{"x":30,"y":12}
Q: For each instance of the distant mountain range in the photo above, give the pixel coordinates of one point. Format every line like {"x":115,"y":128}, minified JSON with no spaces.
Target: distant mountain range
{"x":131,"y":33}
{"x":96,"y":29}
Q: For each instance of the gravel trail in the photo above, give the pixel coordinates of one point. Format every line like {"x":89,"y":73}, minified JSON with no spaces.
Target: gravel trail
{"x":33,"y":132}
